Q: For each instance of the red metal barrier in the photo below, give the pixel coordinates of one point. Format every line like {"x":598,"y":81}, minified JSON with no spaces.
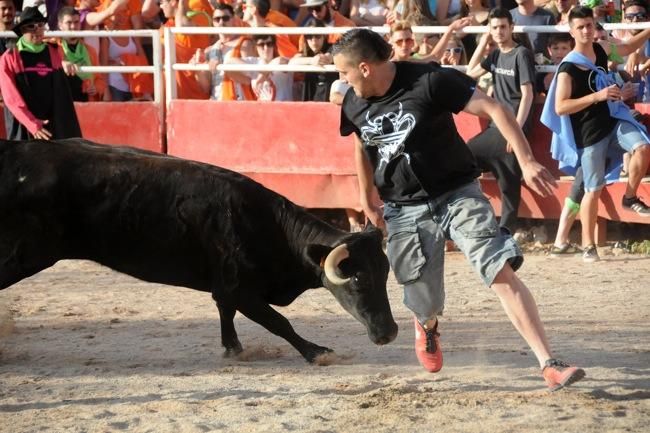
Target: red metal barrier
{"x":291,"y":147}
{"x":136,"y":124}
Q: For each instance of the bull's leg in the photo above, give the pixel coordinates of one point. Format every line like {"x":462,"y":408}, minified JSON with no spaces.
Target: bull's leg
{"x":25,"y":249}
{"x":262,"y":313}
{"x":229,"y":338}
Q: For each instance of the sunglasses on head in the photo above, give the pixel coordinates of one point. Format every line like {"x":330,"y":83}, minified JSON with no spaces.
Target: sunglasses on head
{"x":224,"y":18}
{"x":265,"y":44}
{"x":636,"y":16}
{"x":455,"y":50}
{"x":313,"y":36}
{"x":400,"y":42}
{"x":315,"y":8}
{"x":32,"y":27}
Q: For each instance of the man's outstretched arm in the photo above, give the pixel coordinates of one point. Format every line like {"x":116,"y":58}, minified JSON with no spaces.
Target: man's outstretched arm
{"x":535,"y":175}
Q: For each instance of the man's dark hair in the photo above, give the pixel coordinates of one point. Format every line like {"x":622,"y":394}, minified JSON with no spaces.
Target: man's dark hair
{"x":500,"y":13}
{"x":65,"y":11}
{"x":556,"y":38}
{"x":224,"y":7}
{"x":363,"y":45}
{"x":263,"y":7}
{"x":639,"y":3}
{"x":580,"y":12}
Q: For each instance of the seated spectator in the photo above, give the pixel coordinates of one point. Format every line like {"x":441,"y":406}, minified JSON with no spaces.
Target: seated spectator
{"x":513,"y":70}
{"x":212,"y":81}
{"x":124,"y":51}
{"x":178,"y":15}
{"x":84,"y":86}
{"x":33,"y":84}
{"x":425,"y":44}
{"x":92,"y":19}
{"x":257,"y":14}
{"x":322,"y":10}
{"x":563,"y":9}
{"x":478,"y":10}
{"x":401,"y":39}
{"x":267,"y":86}
{"x":559,"y":45}
{"x":454,"y":54}
{"x":528,"y":14}
{"x":316,"y":52}
{"x":368,"y":13}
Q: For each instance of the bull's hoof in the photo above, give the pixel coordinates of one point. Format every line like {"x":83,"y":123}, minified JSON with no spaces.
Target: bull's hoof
{"x":232,"y":352}
{"x":314,"y":355}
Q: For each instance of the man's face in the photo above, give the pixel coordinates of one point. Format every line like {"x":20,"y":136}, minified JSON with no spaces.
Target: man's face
{"x":70,"y":23}
{"x":265,"y":49}
{"x":635,"y":14}
{"x":558,"y":50}
{"x":564,"y":6}
{"x":34,"y":32}
{"x":168,"y":7}
{"x":221,"y":18}
{"x":354,"y":75}
{"x":403,"y":43}
{"x":501,"y":30}
{"x":319,"y":12}
{"x":7,"y":13}
{"x":582,"y":30}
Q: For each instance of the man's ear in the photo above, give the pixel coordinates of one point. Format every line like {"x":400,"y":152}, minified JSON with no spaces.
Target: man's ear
{"x":365,"y":69}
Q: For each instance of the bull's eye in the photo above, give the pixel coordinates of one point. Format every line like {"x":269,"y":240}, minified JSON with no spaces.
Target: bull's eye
{"x":355,"y":279}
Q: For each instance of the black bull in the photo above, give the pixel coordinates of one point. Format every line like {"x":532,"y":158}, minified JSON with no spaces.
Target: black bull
{"x":167,"y":220}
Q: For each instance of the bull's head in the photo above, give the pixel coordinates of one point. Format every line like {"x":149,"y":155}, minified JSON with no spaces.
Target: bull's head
{"x":355,"y":271}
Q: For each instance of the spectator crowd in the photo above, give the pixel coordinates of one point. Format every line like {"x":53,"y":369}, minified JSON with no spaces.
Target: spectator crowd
{"x":502,"y":62}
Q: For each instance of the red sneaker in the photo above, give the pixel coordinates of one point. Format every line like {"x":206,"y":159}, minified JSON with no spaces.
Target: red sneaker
{"x":427,"y":347}
{"x":559,"y":374}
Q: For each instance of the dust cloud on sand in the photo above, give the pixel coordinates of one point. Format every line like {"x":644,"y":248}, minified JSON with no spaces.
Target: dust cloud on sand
{"x":85,"y":349}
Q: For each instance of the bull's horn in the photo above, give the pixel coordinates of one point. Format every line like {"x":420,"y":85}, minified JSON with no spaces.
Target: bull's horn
{"x":336,"y":256}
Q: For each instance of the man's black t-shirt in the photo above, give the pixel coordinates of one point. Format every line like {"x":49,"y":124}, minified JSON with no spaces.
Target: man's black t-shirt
{"x":409,"y":133}
{"x":593,"y":123}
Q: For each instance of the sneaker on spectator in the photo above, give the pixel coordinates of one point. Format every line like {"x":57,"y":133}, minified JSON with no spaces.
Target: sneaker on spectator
{"x":427,"y":347}
{"x":559,"y":374}
{"x":565,"y":250}
{"x":636,"y":205}
{"x":590,"y":254}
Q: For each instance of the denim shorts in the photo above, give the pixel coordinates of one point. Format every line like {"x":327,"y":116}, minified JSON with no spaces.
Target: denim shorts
{"x":593,"y":158}
{"x":416,"y":244}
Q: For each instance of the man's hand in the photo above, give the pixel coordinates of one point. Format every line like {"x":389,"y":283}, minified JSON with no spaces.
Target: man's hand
{"x":375,"y":215}
{"x":611,"y":93}
{"x":69,"y":68}
{"x":538,"y":178}
{"x":42,"y":133}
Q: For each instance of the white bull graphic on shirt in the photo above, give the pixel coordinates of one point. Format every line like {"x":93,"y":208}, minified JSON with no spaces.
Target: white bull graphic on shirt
{"x":388,"y":132}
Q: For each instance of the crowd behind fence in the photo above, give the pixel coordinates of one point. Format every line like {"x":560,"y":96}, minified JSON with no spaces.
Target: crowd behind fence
{"x":162,"y":46}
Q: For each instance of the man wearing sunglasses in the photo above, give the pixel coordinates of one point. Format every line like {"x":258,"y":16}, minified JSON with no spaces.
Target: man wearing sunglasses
{"x":323,"y":11}
{"x":227,"y":45}
{"x":513,"y":70}
{"x":34,"y":85}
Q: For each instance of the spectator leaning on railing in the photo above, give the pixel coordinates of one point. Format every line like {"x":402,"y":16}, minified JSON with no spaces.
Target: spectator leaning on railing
{"x":34,"y":86}
{"x":84,"y":86}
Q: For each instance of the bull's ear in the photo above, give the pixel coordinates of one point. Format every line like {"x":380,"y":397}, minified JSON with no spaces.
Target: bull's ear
{"x":315,"y":254}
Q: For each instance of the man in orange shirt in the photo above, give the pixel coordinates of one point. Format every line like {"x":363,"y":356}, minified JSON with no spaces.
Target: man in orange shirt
{"x":178,"y":15}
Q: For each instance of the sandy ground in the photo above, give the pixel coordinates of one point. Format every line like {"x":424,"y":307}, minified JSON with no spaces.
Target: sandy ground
{"x":91,"y":350}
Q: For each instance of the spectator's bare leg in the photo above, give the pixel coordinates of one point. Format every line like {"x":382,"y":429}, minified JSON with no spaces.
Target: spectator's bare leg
{"x":588,"y":215}
{"x":637,"y":168}
{"x":567,"y":217}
